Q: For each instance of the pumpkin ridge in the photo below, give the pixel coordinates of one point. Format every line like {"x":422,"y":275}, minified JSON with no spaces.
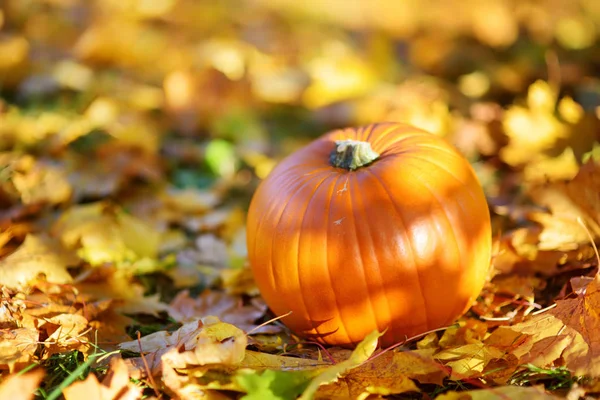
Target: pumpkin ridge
{"x":398,"y":146}
{"x":358,"y":194}
{"x":459,"y":251}
{"x":299,"y":241}
{"x":430,"y":161}
{"x":407,"y":239}
{"x":276,"y":229}
{"x":470,"y":190}
{"x":292,"y":183}
{"x":328,"y":268}
{"x":258,"y":229}
{"x":371,"y":128}
{"x":362,"y":263}
{"x":382,"y":135}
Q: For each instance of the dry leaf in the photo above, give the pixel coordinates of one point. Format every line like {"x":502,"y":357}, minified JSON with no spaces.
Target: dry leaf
{"x":103,"y":234}
{"x":21,"y":387}
{"x":226,"y":307}
{"x":37,"y":255}
{"x":575,"y":210}
{"x":565,"y":334}
{"x":115,"y":385}
{"x":18,"y":347}
{"x":389,"y":373}
{"x":500,"y":393}
{"x":361,"y":353}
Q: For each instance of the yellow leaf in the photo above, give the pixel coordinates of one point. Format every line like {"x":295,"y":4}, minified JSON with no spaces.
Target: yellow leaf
{"x":389,"y":373}
{"x":103,"y":234}
{"x":37,"y":255}
{"x":468,"y":360}
{"x":21,"y":387}
{"x":500,"y":393}
{"x":258,"y":360}
{"x":18,"y":347}
{"x":363,"y":351}
{"x":571,"y":204}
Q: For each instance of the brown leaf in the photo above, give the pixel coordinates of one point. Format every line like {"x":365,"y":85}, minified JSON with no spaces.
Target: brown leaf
{"x":390,"y":373}
{"x":226,"y":307}
{"x":565,"y":334}
{"x":500,"y":393}
{"x":200,"y":342}
{"x":17,"y":347}
{"x":572,"y":204}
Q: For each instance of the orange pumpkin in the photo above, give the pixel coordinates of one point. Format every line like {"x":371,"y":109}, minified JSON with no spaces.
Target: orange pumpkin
{"x":382,"y":227}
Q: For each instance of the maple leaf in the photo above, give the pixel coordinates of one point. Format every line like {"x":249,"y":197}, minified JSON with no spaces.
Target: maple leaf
{"x":500,"y":393}
{"x":572,"y":204}
{"x":37,"y":255}
{"x":566,"y":334}
{"x":17,"y":347}
{"x":226,"y":307}
{"x":386,"y":374}
{"x":201,"y":342}
{"x":361,"y":353}
{"x":258,"y":361}
{"x":21,"y":387}
{"x":105,"y":234}
{"x":115,"y":385}
{"x":65,"y":332}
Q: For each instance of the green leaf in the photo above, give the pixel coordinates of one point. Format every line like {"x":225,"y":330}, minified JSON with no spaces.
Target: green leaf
{"x":220,"y":157}
{"x":276,"y":385}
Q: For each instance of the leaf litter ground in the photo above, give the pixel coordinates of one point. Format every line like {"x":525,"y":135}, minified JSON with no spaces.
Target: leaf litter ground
{"x":133,"y":134}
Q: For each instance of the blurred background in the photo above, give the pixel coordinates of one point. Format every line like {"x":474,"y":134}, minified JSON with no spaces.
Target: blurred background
{"x":221,"y":90}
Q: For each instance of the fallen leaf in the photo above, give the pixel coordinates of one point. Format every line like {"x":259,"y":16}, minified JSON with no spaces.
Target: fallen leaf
{"x":258,"y":361}
{"x":104,"y":234}
{"x":270,"y":384}
{"x":574,"y":209}
{"x":37,"y":255}
{"x":468,"y":361}
{"x":387,"y":374}
{"x":500,"y":393}
{"x":564,"y":334}
{"x":45,"y":182}
{"x":21,"y":387}
{"x":115,"y":385}
{"x":66,"y":332}
{"x":201,"y":342}
{"x":361,"y":353}
{"x":18,"y":347}
{"x":226,"y":307}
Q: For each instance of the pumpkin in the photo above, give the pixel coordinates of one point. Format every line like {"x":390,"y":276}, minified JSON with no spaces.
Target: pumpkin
{"x":381,"y":227}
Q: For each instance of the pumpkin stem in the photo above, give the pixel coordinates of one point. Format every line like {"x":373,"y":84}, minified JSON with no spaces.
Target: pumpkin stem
{"x":352,"y":154}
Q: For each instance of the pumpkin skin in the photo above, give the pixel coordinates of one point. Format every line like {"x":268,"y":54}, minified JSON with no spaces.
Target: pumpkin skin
{"x":402,"y":244}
